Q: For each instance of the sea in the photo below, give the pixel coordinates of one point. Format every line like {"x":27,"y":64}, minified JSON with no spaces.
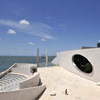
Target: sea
{"x":7,"y":61}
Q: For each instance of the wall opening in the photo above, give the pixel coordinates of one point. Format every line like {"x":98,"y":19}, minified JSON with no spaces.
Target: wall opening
{"x":82,"y":63}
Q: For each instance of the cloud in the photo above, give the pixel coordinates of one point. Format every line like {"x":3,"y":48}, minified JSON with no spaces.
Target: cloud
{"x":37,"y":29}
{"x":25,"y":22}
{"x":43,"y":40}
{"x":10,"y":31}
{"x":62,"y":25}
{"x":31,"y":43}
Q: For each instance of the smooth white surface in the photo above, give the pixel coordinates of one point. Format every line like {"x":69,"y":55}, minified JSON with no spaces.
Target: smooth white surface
{"x":64,"y":59}
{"x":22,"y":94}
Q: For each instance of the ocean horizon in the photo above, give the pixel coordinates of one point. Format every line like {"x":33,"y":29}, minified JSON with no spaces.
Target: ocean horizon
{"x":7,"y":61}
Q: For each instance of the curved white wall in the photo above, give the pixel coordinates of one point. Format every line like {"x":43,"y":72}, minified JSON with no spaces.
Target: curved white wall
{"x":7,"y":71}
{"x":32,"y":82}
{"x":27,"y":89}
{"x":93,"y":55}
{"x":23,"y":94}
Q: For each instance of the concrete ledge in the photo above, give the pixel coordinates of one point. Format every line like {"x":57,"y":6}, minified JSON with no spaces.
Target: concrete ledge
{"x":7,"y":71}
{"x":33,"y":81}
{"x":23,"y":94}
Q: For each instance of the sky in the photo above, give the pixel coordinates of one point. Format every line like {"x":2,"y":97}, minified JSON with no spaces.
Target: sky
{"x":56,"y":25}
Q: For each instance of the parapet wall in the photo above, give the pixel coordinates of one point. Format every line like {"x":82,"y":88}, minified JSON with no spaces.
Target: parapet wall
{"x":23,"y":94}
{"x":32,"y":82}
{"x":7,"y":71}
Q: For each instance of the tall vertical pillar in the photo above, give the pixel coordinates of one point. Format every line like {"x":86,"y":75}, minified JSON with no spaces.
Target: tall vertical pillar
{"x":46,"y":58}
{"x":37,"y":57}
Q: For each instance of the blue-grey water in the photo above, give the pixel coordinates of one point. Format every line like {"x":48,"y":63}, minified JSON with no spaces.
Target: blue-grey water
{"x":7,"y":61}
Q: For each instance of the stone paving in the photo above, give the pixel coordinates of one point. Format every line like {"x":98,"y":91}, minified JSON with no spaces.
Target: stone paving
{"x":58,"y":79}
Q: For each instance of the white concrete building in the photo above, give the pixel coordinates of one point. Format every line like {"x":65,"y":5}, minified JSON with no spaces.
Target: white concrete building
{"x":83,"y":62}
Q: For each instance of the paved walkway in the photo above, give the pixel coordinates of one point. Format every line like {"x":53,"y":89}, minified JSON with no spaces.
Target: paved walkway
{"x":58,"y":79}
